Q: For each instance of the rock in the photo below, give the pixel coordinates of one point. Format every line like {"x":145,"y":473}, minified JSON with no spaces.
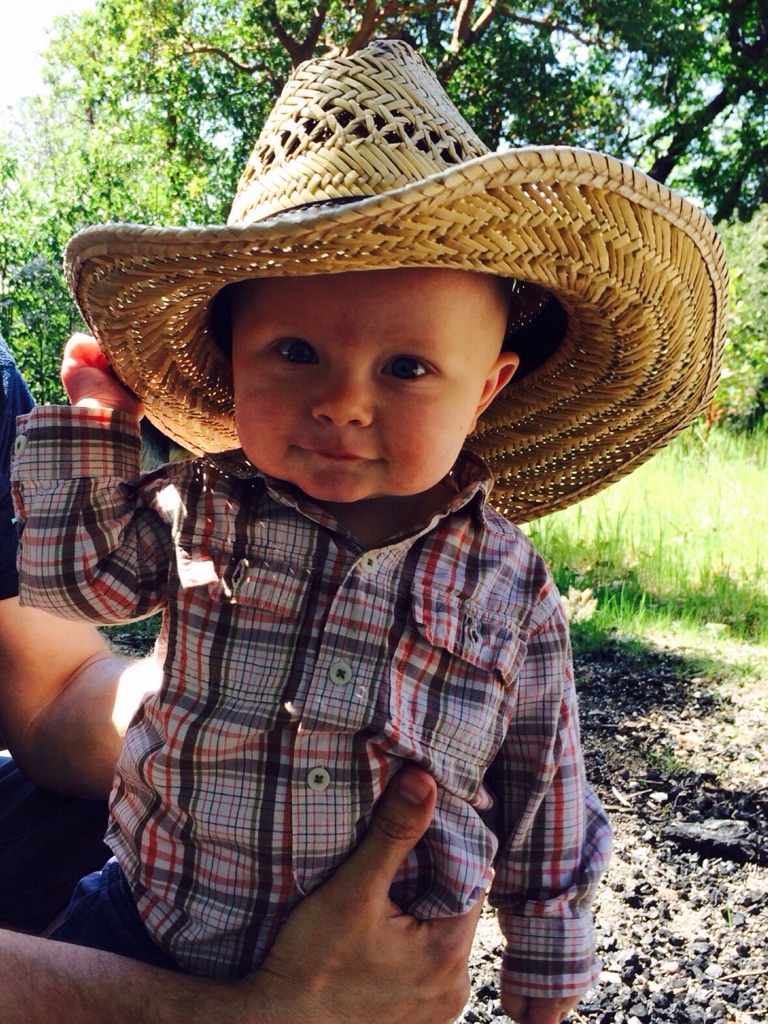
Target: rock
{"x":714,"y":837}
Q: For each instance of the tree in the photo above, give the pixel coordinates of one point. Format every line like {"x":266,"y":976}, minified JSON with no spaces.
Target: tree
{"x":678,"y":87}
{"x":36,"y":314}
{"x":742,"y":398}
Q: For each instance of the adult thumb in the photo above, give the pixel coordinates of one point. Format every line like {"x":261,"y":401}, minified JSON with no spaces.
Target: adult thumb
{"x":401,"y":818}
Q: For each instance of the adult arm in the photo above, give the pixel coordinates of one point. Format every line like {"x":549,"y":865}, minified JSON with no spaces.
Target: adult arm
{"x":346,"y":951}
{"x":65,"y":699}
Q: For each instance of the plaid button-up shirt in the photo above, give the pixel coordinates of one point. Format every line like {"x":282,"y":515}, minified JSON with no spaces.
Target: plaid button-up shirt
{"x":301,"y":672}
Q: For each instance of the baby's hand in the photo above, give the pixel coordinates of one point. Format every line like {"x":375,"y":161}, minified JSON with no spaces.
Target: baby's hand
{"x":89,"y":380}
{"x":533,"y":1010}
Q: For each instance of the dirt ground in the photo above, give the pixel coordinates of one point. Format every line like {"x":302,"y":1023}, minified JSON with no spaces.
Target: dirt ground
{"x":680,"y":760}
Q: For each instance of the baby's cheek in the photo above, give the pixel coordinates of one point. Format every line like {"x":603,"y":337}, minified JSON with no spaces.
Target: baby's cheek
{"x":440,"y":450}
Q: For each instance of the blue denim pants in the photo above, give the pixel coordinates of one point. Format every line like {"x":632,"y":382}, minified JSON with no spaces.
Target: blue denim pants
{"x":102,"y":914}
{"x":47,"y":842}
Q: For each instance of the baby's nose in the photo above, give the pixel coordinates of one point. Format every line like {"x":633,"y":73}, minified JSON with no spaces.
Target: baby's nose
{"x":343,"y":401}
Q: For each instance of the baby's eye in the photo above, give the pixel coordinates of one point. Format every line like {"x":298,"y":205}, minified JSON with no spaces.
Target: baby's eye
{"x":296,"y":351}
{"x":405,"y":368}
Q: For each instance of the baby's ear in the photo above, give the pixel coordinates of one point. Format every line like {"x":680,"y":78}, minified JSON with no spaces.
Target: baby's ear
{"x":500,"y":374}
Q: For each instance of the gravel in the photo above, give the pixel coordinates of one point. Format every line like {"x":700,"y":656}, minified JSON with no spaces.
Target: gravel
{"x":680,"y":760}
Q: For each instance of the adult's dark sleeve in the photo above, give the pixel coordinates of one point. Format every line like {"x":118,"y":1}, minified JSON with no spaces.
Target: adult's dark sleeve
{"x":15,"y":399}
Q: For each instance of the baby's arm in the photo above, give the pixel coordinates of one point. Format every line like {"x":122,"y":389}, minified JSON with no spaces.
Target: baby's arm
{"x":94,"y":544}
{"x":554,"y":838}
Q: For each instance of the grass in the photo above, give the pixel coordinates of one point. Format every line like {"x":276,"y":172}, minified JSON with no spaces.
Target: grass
{"x":680,"y":545}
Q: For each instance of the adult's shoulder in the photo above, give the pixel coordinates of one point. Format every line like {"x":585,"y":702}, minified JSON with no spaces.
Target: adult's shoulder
{"x":14,"y":392}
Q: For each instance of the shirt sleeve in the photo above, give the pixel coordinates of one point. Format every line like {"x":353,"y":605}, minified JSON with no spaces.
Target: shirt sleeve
{"x":93,"y":544}
{"x":555,"y":840}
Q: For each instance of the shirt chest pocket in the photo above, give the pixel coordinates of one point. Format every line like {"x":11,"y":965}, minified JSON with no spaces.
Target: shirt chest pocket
{"x":452,"y":678}
{"x":238,"y":623}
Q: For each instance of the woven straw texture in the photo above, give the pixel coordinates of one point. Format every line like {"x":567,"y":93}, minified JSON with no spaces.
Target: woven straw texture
{"x":638,"y":270}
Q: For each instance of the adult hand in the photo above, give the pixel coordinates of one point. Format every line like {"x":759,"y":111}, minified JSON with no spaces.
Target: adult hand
{"x":347,"y":953}
{"x":89,"y":380}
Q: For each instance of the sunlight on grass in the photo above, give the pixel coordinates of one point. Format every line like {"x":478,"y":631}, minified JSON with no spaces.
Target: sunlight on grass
{"x":678,"y":544}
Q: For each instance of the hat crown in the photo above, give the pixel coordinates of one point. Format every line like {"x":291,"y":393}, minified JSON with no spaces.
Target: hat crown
{"x":353,"y":126}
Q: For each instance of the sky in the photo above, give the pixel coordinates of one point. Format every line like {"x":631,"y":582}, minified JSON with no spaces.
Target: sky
{"x":22,"y":39}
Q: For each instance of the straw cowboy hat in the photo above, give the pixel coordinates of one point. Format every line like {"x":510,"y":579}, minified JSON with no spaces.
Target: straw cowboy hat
{"x":365,"y":164}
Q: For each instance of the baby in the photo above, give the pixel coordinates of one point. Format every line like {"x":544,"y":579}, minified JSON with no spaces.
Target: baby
{"x":339,"y":596}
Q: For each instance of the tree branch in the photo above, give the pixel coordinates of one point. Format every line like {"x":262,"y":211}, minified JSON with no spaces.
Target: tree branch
{"x":465,"y":36}
{"x":754,"y":52}
{"x":549,"y":25}
{"x":298,"y":50}
{"x":462,"y":25}
{"x":218,"y":51}
{"x":370,"y":21}
{"x":664,"y":165}
{"x":484,"y":20}
{"x":743,"y":80}
{"x":315,"y":28}
{"x":729,"y":202}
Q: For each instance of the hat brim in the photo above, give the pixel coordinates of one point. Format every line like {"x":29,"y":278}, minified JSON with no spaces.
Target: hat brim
{"x":638,"y":270}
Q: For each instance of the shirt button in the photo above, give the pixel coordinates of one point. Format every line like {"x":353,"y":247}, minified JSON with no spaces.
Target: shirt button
{"x":340,"y":673}
{"x":368,"y":564}
{"x":318,"y":779}
{"x":20,"y":444}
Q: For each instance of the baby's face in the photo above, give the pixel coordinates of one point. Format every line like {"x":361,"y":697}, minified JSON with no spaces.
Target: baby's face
{"x":365,"y":385}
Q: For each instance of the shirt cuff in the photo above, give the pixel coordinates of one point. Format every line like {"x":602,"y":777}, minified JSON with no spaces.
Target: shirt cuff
{"x":548,"y":957}
{"x":65,"y":443}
